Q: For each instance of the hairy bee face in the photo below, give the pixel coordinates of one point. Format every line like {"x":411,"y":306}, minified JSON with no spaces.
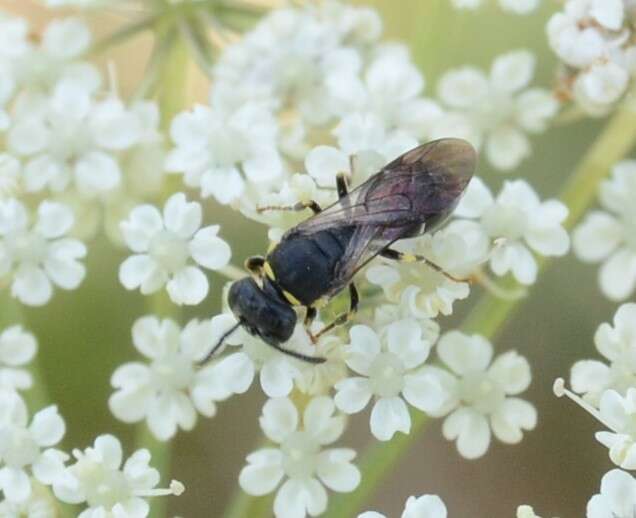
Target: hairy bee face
{"x":261,"y":314}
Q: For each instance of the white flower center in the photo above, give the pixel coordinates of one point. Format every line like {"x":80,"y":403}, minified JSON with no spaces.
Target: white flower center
{"x":300,"y":453}
{"x":505,"y":221}
{"x":476,"y":389}
{"x":173,"y":371}
{"x":169,"y":250}
{"x":102,"y":486}
{"x":386,"y":375}
{"x":18,"y":448}
{"x":27,"y":247}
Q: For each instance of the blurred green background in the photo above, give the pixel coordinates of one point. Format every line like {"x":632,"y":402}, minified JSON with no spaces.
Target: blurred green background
{"x":85,"y":335}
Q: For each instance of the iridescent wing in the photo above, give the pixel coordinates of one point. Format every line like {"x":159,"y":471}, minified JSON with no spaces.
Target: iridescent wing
{"x":411,"y":195}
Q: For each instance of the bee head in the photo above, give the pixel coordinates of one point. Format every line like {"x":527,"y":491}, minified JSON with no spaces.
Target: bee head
{"x":261,"y":314}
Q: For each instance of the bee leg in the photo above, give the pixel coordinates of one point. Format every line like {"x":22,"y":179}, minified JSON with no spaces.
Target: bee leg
{"x":343,"y":318}
{"x":301,"y":205}
{"x":389,"y":253}
{"x":341,"y":185}
{"x":310,"y":315}
{"x":255,"y":264}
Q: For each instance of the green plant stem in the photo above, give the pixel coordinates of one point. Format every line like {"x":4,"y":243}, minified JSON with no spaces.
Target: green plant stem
{"x":490,"y":314}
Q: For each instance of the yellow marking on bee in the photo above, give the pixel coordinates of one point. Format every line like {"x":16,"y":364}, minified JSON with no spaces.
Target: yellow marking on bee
{"x":272,"y":245}
{"x":408,"y":258}
{"x":292,"y":300}
{"x":268,"y":271}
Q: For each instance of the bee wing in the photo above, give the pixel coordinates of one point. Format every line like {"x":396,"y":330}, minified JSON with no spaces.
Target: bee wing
{"x":416,"y":190}
{"x":408,"y":197}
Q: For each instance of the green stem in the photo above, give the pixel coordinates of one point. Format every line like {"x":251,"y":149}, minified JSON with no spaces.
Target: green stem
{"x":490,"y":314}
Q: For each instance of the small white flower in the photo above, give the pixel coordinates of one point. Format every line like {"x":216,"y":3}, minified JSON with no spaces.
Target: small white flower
{"x":219,"y":151}
{"x":388,"y":366}
{"x":518,"y":220}
{"x":498,"y":110}
{"x":301,"y":459}
{"x":278,"y":372}
{"x":25,"y":449}
{"x":617,"y":344}
{"x":73,"y":139}
{"x":617,"y":498}
{"x":38,"y":255}
{"x":609,"y":236}
{"x":425,"y":506}
{"x":164,"y":247}
{"x":478,"y":393}
{"x":98,"y":479}
{"x":169,"y":391}
{"x":17,"y":348}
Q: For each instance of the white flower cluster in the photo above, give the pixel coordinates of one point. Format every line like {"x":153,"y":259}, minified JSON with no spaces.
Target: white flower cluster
{"x":609,"y":394}
{"x":496,"y":111}
{"x":609,"y":236}
{"x":594,"y":40}
{"x":425,"y":506}
{"x":34,"y":472}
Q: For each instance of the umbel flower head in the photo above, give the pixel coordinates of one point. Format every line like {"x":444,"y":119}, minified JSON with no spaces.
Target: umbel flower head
{"x":165,"y":247}
{"x":26,"y":455}
{"x":98,"y":479}
{"x":169,"y":391}
{"x":301,"y":460}
{"x":387,"y":367}
{"x":480,"y":393}
{"x":35,"y":255}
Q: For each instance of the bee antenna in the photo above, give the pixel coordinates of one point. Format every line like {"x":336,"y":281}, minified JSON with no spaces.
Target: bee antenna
{"x":219,"y":343}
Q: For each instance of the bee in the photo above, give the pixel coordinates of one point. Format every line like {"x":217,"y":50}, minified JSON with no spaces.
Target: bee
{"x":320,"y":256}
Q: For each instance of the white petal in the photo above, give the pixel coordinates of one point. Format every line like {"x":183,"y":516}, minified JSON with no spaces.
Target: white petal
{"x":279,"y":419}
{"x":17,"y":346}
{"x":50,"y":466}
{"x":263,"y":472}
{"x":511,"y":417}
{"x":471,"y":431}
{"x":425,"y":506}
{"x":61,"y":264}
{"x":188,"y":286}
{"x":209,"y":250}
{"x":323,"y":163}
{"x":425,"y":392}
{"x":136,"y":270}
{"x":596,"y":237}
{"x":47,"y":427}
{"x":512,"y":71}
{"x":296,"y":498}
{"x":476,"y":200}
{"x":277,"y":376}
{"x":141,"y":226}
{"x":405,"y":340}
{"x":589,"y":376}
{"x":618,"y":275}
{"x":182,"y":217}
{"x":336,"y":471}
{"x":238,"y":372}
{"x":97,"y":172}
{"x":66,"y":38}
{"x":31,"y":286}
{"x":507,"y":148}
{"x":110,"y":450}
{"x":15,"y":484}
{"x":464,"y":353}
{"x":620,"y":489}
{"x":511,"y":371}
{"x":364,"y":347}
{"x":54,"y":219}
{"x":389,"y":415}
{"x":353,"y":394}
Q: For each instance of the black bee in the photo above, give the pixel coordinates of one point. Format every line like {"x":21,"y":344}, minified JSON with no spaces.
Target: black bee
{"x":317,"y":258}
